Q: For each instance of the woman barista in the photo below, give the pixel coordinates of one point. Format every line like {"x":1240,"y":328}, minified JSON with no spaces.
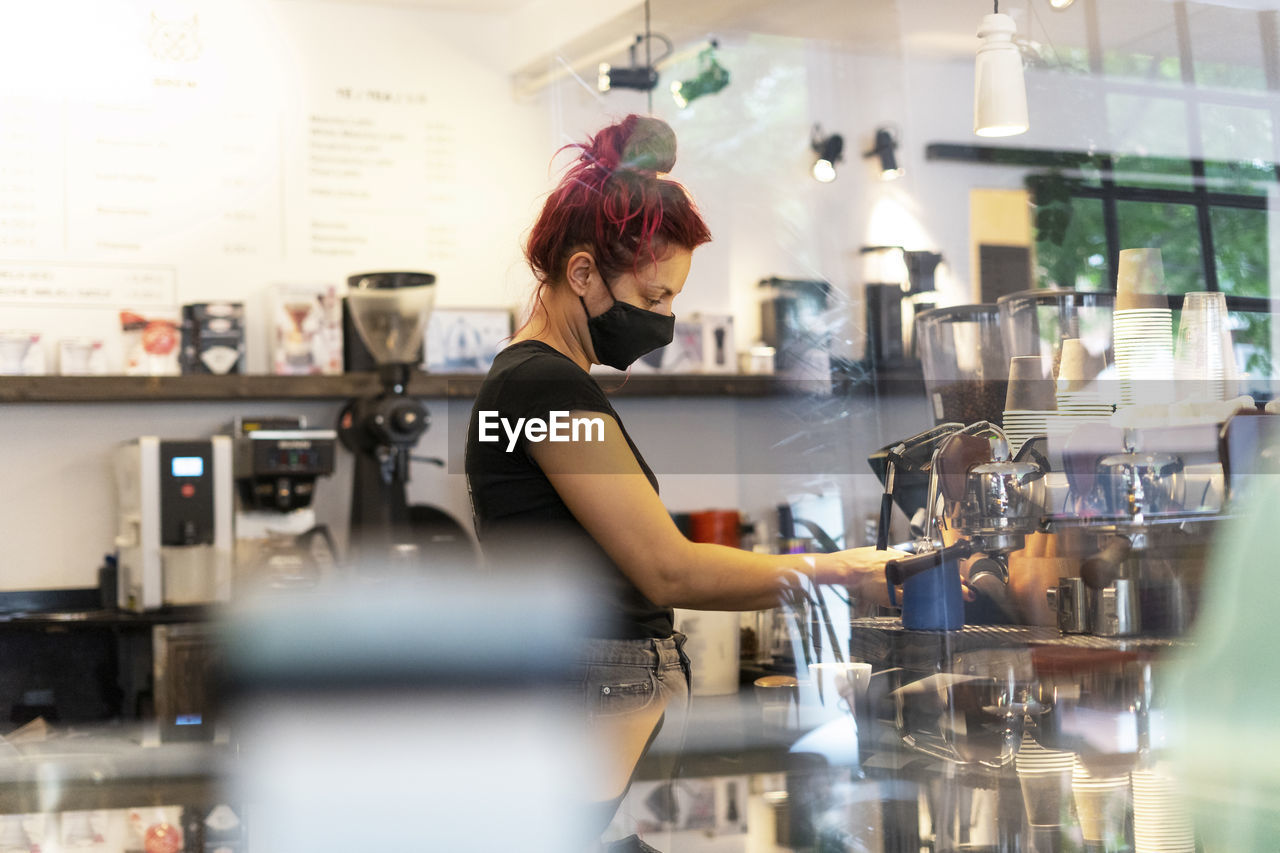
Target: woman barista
{"x":611,"y":251}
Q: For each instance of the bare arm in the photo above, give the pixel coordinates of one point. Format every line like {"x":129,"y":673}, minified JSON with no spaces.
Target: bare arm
{"x":605,"y":489}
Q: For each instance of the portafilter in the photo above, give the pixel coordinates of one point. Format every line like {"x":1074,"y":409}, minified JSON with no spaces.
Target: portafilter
{"x":990,"y":499}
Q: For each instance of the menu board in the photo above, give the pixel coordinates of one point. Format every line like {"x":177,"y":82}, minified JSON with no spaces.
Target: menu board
{"x":377,"y":163}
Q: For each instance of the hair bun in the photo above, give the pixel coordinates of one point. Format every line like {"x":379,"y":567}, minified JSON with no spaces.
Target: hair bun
{"x":636,"y":144}
{"x":651,"y":147}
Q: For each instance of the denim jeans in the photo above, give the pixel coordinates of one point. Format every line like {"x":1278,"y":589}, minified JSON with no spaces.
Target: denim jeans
{"x":619,"y":682}
{"x":621,"y":677}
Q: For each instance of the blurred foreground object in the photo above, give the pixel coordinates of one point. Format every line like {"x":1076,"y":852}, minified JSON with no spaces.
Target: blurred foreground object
{"x":408,"y":714}
{"x":1226,"y":697}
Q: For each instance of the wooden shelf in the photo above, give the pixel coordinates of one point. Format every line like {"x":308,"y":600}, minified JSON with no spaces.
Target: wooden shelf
{"x":163,"y":389}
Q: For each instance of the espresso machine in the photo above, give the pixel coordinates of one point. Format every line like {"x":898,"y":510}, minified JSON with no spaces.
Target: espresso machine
{"x":1057,"y":720}
{"x":277,"y":462}
{"x":174,"y":535}
{"x":1133,"y":492}
{"x":981,"y":502}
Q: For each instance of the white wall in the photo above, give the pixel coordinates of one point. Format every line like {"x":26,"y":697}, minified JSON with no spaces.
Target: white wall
{"x":237,"y":143}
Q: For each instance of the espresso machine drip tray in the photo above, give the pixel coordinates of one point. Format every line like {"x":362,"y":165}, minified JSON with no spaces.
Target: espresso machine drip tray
{"x":883,"y":637}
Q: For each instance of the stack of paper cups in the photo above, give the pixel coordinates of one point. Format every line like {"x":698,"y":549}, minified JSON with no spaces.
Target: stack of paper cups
{"x":1045,"y":778}
{"x":1079,"y":401}
{"x":1101,"y":803}
{"x":1142,"y":331}
{"x":1160,"y":819}
{"x":1029,"y":402}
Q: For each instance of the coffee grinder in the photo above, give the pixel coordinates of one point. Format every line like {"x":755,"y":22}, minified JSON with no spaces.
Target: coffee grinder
{"x":175,"y":522}
{"x":277,"y":463}
{"x":899,"y":284}
{"x":389,"y":311}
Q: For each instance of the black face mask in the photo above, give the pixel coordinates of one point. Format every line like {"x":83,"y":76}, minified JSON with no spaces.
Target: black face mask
{"x":624,"y":333}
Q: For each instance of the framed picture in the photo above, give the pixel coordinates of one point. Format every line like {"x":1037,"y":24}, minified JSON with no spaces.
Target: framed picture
{"x":465,"y":340}
{"x":306,"y":329}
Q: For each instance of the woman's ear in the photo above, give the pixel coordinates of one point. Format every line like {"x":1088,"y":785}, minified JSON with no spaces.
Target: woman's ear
{"x":578,"y":272}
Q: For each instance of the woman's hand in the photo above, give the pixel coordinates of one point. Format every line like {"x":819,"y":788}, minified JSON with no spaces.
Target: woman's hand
{"x":860,"y":569}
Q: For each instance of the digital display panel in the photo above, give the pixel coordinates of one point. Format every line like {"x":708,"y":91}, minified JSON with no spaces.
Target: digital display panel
{"x":188,"y":466}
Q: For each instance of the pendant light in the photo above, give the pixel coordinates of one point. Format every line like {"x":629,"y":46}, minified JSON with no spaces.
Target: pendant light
{"x":999,"y":91}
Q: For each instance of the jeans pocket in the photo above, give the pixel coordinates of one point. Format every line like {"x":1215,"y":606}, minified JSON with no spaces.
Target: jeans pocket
{"x":617,"y":693}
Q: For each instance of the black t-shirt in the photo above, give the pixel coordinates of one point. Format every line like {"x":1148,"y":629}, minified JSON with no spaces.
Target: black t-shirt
{"x":519,"y":516}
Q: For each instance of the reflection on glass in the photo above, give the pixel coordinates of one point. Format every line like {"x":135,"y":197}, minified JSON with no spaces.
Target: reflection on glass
{"x":1154,"y":126}
{"x":1139,"y":41}
{"x":1071,"y":244}
{"x":1251,"y":334}
{"x":1240,"y":177}
{"x":1171,"y":228}
{"x":1226,"y":47}
{"x":1240,"y":250}
{"x":1236,"y":132}
{"x":1230,"y":75}
{"x":1165,"y":172}
{"x":1142,"y":66}
{"x":1071,"y":59}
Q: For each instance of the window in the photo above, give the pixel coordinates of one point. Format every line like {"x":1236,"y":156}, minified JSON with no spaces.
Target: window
{"x":1195,"y":173}
{"x":1195,"y":185}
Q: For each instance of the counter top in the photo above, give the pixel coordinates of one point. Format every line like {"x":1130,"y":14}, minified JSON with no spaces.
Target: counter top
{"x":109,"y":767}
{"x":725,"y":736}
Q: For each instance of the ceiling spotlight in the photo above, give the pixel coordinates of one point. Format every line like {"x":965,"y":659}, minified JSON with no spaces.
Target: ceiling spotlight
{"x":636,"y":77}
{"x":640,"y":77}
{"x":711,"y":78}
{"x":884,"y":148}
{"x":1060,"y":4}
{"x":999,"y":93}
{"x":830,"y":150}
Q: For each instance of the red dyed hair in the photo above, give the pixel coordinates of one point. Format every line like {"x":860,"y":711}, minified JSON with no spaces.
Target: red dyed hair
{"x":612,"y":203}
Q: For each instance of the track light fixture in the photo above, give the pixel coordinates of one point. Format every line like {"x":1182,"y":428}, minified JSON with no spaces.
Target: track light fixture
{"x":885,"y":147}
{"x":711,"y":78}
{"x":830,"y":150}
{"x":1059,"y":5}
{"x":642,"y":78}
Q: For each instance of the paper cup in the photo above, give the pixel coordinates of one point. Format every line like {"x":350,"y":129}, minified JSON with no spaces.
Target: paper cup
{"x":1045,"y":778}
{"x":1140,"y":280}
{"x":1029,"y":389}
{"x":1073,"y":366}
{"x":1101,"y":804}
